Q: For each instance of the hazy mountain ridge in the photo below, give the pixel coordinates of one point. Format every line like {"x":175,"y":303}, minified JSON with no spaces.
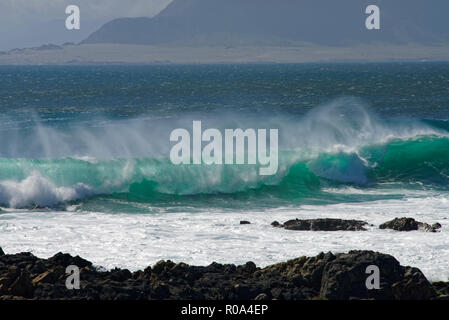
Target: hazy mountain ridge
{"x":260,"y":31}
{"x":323,"y":22}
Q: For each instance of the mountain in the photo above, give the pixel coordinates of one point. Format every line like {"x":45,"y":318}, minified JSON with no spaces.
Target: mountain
{"x":281,"y":22}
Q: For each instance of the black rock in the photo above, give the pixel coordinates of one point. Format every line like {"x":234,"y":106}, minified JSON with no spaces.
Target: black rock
{"x":245,"y":222}
{"x":409,"y":224}
{"x":325,"y":276}
{"x":50,"y":276}
{"x":120,"y":275}
{"x":160,"y":291}
{"x":65,"y":260}
{"x":22,"y":286}
{"x":442,"y":289}
{"x":323,"y":225}
{"x":413,"y":286}
{"x":345,"y":277}
{"x":1,"y":252}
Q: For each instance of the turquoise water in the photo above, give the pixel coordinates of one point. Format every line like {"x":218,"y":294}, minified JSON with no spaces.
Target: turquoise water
{"x":97,"y":137}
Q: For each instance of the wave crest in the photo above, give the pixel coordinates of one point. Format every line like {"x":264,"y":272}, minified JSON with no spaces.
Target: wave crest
{"x":338,"y":143}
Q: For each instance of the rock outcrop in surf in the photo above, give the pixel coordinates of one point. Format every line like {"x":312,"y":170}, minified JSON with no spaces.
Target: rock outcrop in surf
{"x":325,"y":224}
{"x":329,"y":224}
{"x":409,"y":224}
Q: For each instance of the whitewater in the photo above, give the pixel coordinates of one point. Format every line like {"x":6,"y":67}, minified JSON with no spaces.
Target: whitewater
{"x":136,"y":241}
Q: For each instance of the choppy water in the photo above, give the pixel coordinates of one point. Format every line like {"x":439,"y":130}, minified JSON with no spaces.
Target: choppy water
{"x":91,"y":145}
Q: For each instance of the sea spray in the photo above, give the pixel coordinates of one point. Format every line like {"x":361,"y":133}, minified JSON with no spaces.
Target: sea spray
{"x":47,"y":182}
{"x":338,"y":143}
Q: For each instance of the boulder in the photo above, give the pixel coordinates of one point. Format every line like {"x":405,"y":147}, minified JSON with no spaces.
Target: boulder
{"x":345,"y":278}
{"x":325,"y":224}
{"x":413,"y":286}
{"x":65,"y":260}
{"x":409,"y":224}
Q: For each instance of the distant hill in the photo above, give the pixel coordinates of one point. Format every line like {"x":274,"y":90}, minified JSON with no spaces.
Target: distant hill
{"x":281,"y":22}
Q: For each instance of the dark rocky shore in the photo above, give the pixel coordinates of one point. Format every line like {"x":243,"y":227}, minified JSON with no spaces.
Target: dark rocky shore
{"x":326,"y":276}
{"x":327,"y":224}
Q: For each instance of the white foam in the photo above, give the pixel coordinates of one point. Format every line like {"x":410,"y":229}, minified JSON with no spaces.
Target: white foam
{"x":135,"y":241}
{"x":38,"y":190}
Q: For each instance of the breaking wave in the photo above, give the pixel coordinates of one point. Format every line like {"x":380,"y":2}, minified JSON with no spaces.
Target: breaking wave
{"x":337,"y":144}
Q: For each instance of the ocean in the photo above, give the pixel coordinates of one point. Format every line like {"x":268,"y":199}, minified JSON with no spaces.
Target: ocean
{"x":85,"y":168}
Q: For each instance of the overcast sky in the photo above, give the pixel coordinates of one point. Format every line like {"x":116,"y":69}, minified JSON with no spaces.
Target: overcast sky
{"x":26,"y":23}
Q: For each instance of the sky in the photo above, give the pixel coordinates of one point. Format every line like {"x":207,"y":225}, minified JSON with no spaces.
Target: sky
{"x":28,"y":23}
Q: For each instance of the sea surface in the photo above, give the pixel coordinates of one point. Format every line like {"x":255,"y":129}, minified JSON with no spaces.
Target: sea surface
{"x":85,"y":168}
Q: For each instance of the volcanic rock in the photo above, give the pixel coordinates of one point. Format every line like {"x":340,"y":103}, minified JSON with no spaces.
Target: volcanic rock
{"x":409,"y":224}
{"x":322,"y":225}
{"x":326,"y":276}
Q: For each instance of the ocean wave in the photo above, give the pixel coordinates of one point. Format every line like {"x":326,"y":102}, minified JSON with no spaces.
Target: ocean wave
{"x":32,"y":182}
{"x":337,"y":144}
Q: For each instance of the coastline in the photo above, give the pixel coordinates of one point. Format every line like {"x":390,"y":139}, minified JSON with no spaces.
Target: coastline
{"x":121,"y":54}
{"x":326,"y":276}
